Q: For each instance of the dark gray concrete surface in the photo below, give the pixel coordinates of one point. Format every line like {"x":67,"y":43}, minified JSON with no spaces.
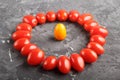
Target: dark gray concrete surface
{"x":14,"y":67}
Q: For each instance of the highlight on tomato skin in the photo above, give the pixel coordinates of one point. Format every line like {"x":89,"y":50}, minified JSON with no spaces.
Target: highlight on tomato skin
{"x":50,"y":63}
{"x":18,"y":44}
{"x":96,"y":47}
{"x":98,"y":38}
{"x":88,"y":55}
{"x":27,"y":49}
{"x":77,"y":62}
{"x":35,"y":57}
{"x":62,"y":15}
{"x":30,"y":19}
{"x":24,"y":26}
{"x":73,"y":15}
{"x":51,"y":16}
{"x":21,"y":34}
{"x":99,"y":31}
{"x":63,"y":64}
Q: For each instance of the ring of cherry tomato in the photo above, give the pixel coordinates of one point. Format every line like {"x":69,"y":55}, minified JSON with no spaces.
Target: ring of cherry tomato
{"x":36,"y":56}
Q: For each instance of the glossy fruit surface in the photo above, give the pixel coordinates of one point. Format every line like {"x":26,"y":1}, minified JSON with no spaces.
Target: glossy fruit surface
{"x":73,"y":15}
{"x":99,"y":31}
{"x":21,"y":34}
{"x":51,"y":16}
{"x":30,"y":19}
{"x":27,"y":49}
{"x":90,"y":24}
{"x":41,"y":18}
{"x":62,"y":15}
{"x":88,"y":55}
{"x":98,"y":38}
{"x":50,"y":63}
{"x":35,"y":57}
{"x":60,"y":32}
{"x":96,"y":47}
{"x":84,"y":18}
{"x":18,"y":44}
{"x":77,"y":62}
{"x":63,"y":64}
{"x":24,"y":26}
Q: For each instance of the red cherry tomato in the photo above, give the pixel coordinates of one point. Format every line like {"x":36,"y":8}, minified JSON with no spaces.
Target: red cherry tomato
{"x":18,"y":44}
{"x":96,"y":47}
{"x":35,"y":57}
{"x":73,"y":15}
{"x":90,"y":24}
{"x":30,"y":20}
{"x":62,"y":15}
{"x":27,"y":49}
{"x":50,"y":63}
{"x":51,"y":16}
{"x":77,"y":62}
{"x":41,"y":18}
{"x":99,"y":31}
{"x":88,"y":55}
{"x":84,"y":18}
{"x":21,"y":34}
{"x":98,"y":38}
{"x":24,"y":26}
{"x":64,"y":65}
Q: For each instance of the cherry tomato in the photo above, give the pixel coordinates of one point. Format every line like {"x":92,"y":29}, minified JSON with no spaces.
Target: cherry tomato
{"x":41,"y":18}
{"x":96,"y":47}
{"x":35,"y":57}
{"x":77,"y":62}
{"x":24,"y":26}
{"x":73,"y":15}
{"x":30,"y":20}
{"x":90,"y":24}
{"x":98,"y":38}
{"x":51,"y":16}
{"x":62,"y":15}
{"x":88,"y":55}
{"x":63,"y":64}
{"x":50,"y":63}
{"x":99,"y":31}
{"x":84,"y":18}
{"x":18,"y":44}
{"x":21,"y":34}
{"x":60,"y":32}
{"x":27,"y":49}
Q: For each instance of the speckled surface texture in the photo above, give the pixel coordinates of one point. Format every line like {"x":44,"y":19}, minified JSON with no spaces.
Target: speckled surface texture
{"x":14,"y":67}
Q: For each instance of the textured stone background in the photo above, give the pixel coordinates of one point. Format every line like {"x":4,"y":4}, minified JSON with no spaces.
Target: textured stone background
{"x":13,"y":65}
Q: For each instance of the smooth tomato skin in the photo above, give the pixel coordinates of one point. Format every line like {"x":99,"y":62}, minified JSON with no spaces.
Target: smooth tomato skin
{"x":30,"y":19}
{"x":84,"y":18}
{"x":21,"y":34}
{"x":90,"y":24}
{"x":50,"y":63}
{"x":35,"y":57}
{"x":62,"y":15}
{"x":51,"y":16}
{"x":99,"y":31}
{"x":98,"y":38}
{"x":96,"y":47}
{"x":63,"y":64}
{"x":27,"y":49}
{"x":73,"y":15}
{"x":24,"y":26}
{"x":41,"y":18}
{"x":77,"y":62}
{"x":88,"y":55}
{"x":18,"y":44}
